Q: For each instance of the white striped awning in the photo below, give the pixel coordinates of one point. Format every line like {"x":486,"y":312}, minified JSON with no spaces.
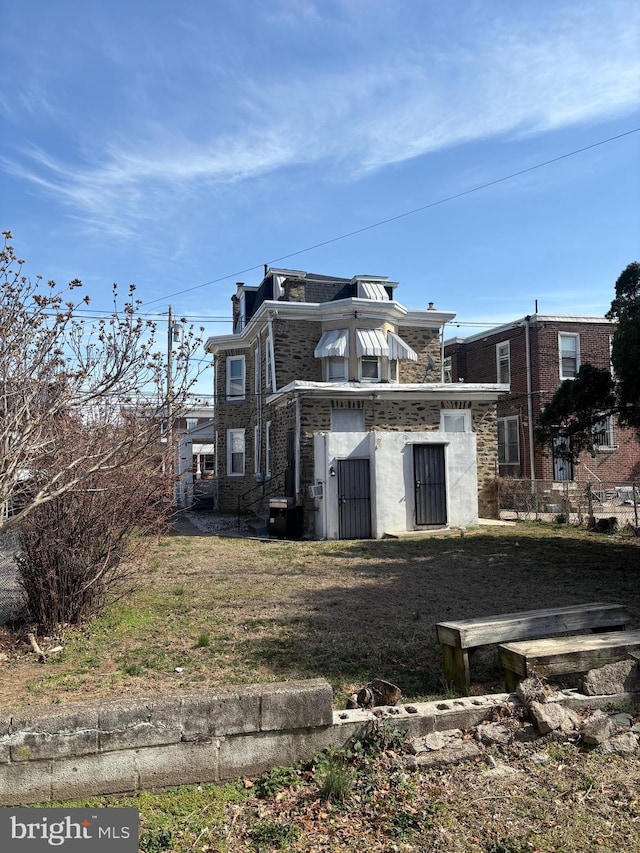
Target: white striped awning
{"x":371,"y":342}
{"x":333,"y":344}
{"x":373,"y":290}
{"x":399,"y":350}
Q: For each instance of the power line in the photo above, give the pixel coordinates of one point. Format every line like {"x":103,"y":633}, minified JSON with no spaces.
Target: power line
{"x":398,"y":216}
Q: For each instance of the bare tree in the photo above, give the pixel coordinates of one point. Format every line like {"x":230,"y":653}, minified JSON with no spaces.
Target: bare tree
{"x":58,"y":366}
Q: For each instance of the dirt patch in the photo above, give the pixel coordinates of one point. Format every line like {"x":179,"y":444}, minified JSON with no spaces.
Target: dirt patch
{"x":211,"y":611}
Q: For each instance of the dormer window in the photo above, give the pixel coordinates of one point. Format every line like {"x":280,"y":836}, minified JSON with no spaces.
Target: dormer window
{"x":336,"y":369}
{"x":369,"y":369}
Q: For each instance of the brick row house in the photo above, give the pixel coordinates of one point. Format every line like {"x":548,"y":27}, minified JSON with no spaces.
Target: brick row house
{"x":534,"y":355}
{"x":331,"y":394}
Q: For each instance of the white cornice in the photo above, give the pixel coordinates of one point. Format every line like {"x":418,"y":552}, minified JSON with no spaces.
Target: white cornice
{"x":469,"y":391}
{"x":366,"y":309}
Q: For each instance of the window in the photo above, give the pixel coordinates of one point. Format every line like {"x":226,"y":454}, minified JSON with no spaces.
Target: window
{"x":235,"y":377}
{"x":268,"y":364}
{"x":503,"y":361}
{"x":369,"y":368}
{"x":191,"y":423}
{"x":602,"y":432}
{"x":235,"y":452}
{"x":393,"y":370}
{"x":347,"y":420}
{"x":336,"y":368}
{"x":256,"y":449}
{"x":256,"y":371}
{"x":508,"y":441}
{"x":569,"y":355}
{"x":267,"y":449}
{"x":453,"y":420}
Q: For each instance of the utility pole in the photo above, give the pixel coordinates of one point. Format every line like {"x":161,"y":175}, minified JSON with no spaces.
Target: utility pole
{"x":170,"y":459}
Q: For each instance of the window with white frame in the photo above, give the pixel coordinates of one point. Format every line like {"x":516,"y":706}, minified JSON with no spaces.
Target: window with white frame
{"x":370,"y":368}
{"x":347,"y":420}
{"x":191,"y":423}
{"x":268,"y":364}
{"x":235,"y":377}
{"x":602,"y":432}
{"x":256,"y":370}
{"x":256,"y":449}
{"x":455,"y":420}
{"x":569,"y":347}
{"x":235,"y":452}
{"x":393,"y":370}
{"x":503,"y":361}
{"x":267,"y":449}
{"x":508,"y":441}
{"x":336,"y":369}
{"x":611,"y":370}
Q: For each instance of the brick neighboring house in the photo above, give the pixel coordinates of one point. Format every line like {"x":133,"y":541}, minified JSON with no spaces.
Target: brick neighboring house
{"x":535,"y":354}
{"x":330,"y":393}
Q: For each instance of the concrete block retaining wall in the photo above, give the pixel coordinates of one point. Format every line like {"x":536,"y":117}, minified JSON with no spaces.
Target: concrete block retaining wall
{"x":119,"y":747}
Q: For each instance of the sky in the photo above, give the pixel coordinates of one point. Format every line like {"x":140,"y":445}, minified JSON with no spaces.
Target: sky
{"x":485,"y":155}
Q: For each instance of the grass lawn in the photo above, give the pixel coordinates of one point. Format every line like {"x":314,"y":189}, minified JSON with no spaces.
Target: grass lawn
{"x":208,"y":612}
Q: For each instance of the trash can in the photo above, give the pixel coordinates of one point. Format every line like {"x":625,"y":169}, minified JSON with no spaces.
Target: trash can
{"x":285,"y":518}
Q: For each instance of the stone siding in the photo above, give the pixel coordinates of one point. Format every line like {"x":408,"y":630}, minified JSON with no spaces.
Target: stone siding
{"x":426,"y":343}
{"x":294,"y":343}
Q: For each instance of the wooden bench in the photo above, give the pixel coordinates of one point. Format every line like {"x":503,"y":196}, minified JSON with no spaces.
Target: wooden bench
{"x":562,"y":655}
{"x":458,"y":638}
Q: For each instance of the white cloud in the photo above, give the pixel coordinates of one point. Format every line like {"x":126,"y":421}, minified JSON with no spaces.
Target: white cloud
{"x":384,"y":104}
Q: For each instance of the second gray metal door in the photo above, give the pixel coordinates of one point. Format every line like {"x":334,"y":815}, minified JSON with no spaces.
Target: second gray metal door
{"x":430,"y":484}
{"x":354,"y":499}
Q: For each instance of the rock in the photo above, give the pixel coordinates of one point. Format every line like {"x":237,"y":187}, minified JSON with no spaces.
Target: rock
{"x":501,"y":771}
{"x":466,"y":750}
{"x":434,"y":740}
{"x":495,"y":733}
{"x":384,"y":692}
{"x":624,"y":744}
{"x":533,"y":690}
{"x":598,"y":728}
{"x":622,"y":720}
{"x":552,"y":717}
{"x":619,"y":677}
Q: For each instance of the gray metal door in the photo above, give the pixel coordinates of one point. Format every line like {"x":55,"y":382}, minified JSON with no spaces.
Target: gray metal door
{"x":562,"y":464}
{"x":430,"y":484}
{"x":354,"y":499}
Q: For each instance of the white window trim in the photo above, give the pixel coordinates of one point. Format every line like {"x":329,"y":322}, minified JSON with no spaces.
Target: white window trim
{"x":256,"y":449}
{"x":230,"y":434}
{"x":608,"y":433}
{"x":268,"y":367}
{"x":335,"y":360}
{"x":393,"y":370}
{"x":503,"y":345}
{"x":241,"y":359}
{"x":505,"y":421}
{"x":450,"y":413}
{"x":267,"y":449}
{"x":256,"y":370}
{"x":368,"y":378}
{"x":576,"y":336}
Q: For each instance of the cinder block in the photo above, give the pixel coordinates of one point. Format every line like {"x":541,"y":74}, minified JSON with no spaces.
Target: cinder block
{"x":146,"y":722}
{"x":207,"y":715}
{"x":21,"y":784}
{"x":296,"y":705}
{"x":48,"y":721}
{"x":37,"y":746}
{"x":91,"y":775}
{"x":182,"y":764}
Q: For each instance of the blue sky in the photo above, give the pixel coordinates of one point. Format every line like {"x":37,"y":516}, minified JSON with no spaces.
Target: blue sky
{"x":175,"y":144}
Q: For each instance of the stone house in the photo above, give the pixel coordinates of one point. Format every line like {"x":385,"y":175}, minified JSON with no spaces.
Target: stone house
{"x":534,"y":355}
{"x":330,"y":395}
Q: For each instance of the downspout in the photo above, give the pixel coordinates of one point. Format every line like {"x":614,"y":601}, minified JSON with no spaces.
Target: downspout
{"x":442,"y":352}
{"x":532,"y":456}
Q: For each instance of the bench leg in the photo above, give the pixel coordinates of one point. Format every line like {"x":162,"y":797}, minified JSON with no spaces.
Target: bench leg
{"x":456,"y":668}
{"x":511,"y":680}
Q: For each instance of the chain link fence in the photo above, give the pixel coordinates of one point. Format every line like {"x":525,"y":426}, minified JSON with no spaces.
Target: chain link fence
{"x":11,"y":595}
{"x":603,"y":506}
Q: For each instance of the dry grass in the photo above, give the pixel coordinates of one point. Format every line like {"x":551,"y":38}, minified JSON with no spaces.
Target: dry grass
{"x":211,"y":611}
